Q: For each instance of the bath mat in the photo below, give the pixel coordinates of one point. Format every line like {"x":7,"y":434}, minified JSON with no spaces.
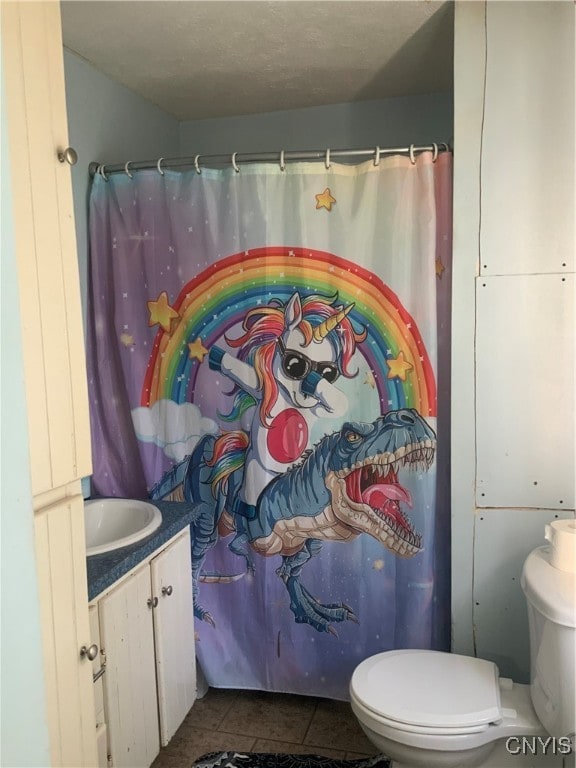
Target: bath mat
{"x":262,"y":760}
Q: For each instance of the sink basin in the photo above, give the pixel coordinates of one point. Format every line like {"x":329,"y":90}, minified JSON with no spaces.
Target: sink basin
{"x":114,"y":523}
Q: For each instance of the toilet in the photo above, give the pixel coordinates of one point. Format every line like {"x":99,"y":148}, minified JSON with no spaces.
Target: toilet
{"x":432,"y":709}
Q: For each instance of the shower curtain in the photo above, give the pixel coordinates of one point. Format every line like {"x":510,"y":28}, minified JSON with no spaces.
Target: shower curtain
{"x":270,"y":345}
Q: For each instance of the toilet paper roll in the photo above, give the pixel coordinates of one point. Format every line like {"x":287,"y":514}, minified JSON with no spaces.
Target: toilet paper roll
{"x":562,"y":537}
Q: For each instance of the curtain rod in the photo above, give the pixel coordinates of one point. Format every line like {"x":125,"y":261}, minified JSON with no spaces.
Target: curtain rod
{"x":282,"y":157}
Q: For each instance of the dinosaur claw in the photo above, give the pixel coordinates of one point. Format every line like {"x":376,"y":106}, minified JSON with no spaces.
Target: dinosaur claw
{"x":209,"y":620}
{"x":332,"y":631}
{"x":350,"y":615}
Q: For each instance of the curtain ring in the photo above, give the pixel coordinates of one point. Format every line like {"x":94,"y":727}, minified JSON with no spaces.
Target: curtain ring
{"x":197,"y":166}
{"x":411,"y":153}
{"x":327,"y":160}
{"x":234,"y":165}
{"x":435,"y":155}
{"x":446,"y":146}
{"x":377,"y":156}
{"x":160,"y":171}
{"x":101,"y":171}
{"x":282,"y":163}
{"x":126,"y":171}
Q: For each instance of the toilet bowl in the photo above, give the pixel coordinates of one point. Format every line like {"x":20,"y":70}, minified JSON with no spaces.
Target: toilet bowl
{"x":440,"y":709}
{"x":432,"y":709}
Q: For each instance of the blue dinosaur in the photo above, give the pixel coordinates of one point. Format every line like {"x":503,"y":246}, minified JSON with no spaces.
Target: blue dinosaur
{"x":347,"y":484}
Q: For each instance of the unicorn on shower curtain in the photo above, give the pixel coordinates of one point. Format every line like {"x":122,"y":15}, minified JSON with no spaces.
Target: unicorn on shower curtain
{"x":291,"y":390}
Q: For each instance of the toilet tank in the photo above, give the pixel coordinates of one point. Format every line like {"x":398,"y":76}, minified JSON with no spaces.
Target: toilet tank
{"x":550,"y":594}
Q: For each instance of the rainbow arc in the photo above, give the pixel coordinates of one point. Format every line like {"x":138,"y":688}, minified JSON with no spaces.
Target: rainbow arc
{"x":217,"y":299}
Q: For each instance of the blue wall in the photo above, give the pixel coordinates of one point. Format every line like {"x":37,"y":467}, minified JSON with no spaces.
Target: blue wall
{"x":386,"y":123}
{"x":108,"y":123}
{"x":24,"y":732}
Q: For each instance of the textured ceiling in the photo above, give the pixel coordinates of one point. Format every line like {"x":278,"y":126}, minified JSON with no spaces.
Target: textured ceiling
{"x":200,"y":59}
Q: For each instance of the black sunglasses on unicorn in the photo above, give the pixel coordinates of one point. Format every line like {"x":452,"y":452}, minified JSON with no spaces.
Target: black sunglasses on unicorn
{"x":297,"y":366}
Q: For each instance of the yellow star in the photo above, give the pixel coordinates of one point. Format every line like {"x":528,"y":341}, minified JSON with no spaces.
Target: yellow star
{"x":127,"y":340}
{"x":378,"y":565}
{"x":197,"y":350}
{"x":439,"y":267}
{"x":161,"y":313}
{"x":370,"y":379}
{"x":398,"y":367}
{"x":325,"y":200}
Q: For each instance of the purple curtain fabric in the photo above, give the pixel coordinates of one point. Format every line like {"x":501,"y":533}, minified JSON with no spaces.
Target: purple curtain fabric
{"x":273,"y":346}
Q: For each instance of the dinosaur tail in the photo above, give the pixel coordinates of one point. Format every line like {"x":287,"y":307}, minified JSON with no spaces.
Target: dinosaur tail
{"x":170,"y":485}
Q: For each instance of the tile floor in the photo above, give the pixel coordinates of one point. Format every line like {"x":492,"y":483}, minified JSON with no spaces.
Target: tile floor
{"x":253,"y":721}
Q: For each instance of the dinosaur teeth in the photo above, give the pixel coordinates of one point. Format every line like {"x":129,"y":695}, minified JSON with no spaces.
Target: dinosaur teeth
{"x":382,"y":471}
{"x":408,"y":539}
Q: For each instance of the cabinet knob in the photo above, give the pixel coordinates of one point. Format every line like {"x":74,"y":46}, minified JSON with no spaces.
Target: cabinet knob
{"x":89,"y":652}
{"x":152,"y":602}
{"x":167,"y":591}
{"x":68,"y":155}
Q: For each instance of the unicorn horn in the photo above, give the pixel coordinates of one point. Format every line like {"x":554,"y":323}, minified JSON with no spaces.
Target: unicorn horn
{"x":321,"y":331}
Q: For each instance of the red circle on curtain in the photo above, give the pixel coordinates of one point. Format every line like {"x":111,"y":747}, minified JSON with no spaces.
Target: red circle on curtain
{"x":288,"y":436}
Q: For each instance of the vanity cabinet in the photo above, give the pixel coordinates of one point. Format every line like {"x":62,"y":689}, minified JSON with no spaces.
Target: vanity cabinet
{"x":146,"y":629}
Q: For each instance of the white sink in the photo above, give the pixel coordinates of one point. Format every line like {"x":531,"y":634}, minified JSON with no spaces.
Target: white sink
{"x":114,"y":523}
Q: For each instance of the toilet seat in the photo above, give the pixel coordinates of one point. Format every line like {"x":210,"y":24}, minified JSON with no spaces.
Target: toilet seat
{"x":428,"y":692}
{"x":368,"y":715}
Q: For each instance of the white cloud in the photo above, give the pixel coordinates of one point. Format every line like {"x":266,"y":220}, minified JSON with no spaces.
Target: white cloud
{"x":174,"y":428}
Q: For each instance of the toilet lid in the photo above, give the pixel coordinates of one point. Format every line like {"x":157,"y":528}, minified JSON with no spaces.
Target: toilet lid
{"x":429,"y":688}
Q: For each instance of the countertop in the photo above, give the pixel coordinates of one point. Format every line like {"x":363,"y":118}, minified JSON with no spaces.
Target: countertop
{"x":104,"y":570}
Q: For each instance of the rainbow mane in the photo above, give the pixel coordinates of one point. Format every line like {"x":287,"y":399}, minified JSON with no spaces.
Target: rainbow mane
{"x":229,"y":452}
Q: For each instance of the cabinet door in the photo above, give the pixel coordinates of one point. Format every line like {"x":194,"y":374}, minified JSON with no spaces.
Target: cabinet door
{"x":98,"y":670}
{"x":127,"y":638}
{"x":59,"y":533}
{"x":51,"y":318}
{"x":174,"y":635}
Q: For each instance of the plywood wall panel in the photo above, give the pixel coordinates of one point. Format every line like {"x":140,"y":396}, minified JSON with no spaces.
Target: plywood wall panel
{"x":527,"y":177}
{"x":525,"y":391}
